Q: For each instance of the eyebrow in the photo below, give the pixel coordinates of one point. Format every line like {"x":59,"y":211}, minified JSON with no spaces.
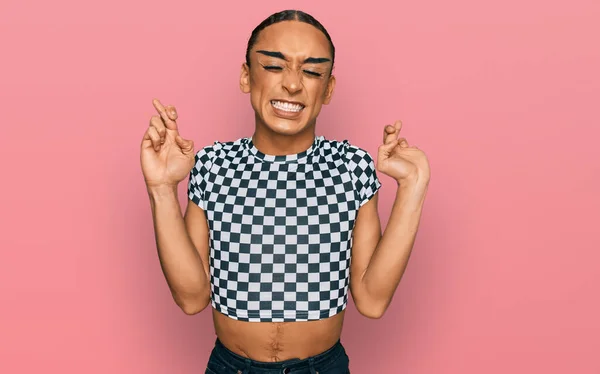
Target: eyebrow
{"x":309,"y":60}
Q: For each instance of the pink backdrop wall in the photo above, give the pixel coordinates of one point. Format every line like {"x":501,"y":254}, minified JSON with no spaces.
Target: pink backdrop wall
{"x":502,"y":96}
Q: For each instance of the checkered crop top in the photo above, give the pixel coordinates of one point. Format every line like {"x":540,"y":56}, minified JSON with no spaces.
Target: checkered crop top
{"x":281,"y":226}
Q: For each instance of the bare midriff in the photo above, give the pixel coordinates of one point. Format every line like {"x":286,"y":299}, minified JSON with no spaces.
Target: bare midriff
{"x":277,"y":341}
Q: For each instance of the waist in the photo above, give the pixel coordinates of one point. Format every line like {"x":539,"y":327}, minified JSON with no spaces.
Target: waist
{"x":323,"y":359}
{"x":266,"y":341}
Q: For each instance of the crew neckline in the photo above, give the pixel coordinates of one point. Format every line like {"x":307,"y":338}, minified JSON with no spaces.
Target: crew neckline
{"x":300,"y":157}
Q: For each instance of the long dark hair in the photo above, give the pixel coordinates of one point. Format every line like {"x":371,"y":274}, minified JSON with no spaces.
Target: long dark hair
{"x":288,"y":15}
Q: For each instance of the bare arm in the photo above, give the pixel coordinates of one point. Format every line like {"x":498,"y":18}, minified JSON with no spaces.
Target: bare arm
{"x":182,"y":245}
{"x":378,"y":262}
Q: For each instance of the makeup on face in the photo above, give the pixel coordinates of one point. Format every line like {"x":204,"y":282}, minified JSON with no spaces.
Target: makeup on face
{"x":316,"y":71}
{"x":290,"y":77}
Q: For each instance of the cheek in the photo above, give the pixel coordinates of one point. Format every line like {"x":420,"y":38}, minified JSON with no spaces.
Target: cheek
{"x":256,"y":90}
{"x":262,"y":86}
{"x":317,"y":91}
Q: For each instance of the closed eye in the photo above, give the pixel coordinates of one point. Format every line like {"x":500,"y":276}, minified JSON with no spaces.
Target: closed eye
{"x":313,"y":73}
{"x":272,"y":67}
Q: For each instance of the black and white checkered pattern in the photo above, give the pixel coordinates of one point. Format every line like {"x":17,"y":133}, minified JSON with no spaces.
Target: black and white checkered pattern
{"x":281,"y":226}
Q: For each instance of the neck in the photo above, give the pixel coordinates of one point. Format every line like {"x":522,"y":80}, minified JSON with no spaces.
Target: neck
{"x":279,"y":144}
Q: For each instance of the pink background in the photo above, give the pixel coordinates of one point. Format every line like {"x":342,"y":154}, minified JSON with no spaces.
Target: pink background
{"x":502,"y":96}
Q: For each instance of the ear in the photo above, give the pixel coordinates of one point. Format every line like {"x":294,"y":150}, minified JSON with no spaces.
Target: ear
{"x":329,"y":90}
{"x":245,"y":78}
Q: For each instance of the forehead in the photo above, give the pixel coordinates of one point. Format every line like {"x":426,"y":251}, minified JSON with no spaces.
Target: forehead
{"x":294,"y":38}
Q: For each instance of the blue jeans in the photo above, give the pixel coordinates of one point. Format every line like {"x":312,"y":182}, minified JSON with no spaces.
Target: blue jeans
{"x":333,"y":361}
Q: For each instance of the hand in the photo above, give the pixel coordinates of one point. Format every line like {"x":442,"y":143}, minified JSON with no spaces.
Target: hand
{"x":166,"y":157}
{"x":397,"y":159}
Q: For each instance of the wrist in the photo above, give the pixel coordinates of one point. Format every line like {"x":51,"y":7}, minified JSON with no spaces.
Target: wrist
{"x":413,"y":182}
{"x":413,"y":188}
{"x":162,"y":191}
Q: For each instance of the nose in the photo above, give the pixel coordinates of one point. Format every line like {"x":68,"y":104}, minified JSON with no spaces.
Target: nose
{"x":292,"y":81}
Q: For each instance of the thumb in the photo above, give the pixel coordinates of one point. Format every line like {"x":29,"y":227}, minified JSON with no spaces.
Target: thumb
{"x":187,"y":146}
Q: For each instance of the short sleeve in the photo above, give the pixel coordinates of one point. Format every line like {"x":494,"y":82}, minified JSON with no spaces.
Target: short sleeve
{"x":197,"y":179}
{"x":362,"y":167}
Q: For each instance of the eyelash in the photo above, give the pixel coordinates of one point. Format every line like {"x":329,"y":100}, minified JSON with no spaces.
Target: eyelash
{"x":314,"y":74}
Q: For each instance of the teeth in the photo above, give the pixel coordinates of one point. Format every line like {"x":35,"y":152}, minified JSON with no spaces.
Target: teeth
{"x":287,"y":106}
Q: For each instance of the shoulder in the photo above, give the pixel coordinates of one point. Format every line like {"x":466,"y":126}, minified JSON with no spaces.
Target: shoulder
{"x":206,"y":155}
{"x":353,"y":155}
{"x":361,"y":166}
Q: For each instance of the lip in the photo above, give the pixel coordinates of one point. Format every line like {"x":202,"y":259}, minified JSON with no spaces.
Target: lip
{"x":283,"y":113}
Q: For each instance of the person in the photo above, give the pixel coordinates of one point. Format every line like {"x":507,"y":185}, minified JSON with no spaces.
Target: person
{"x":281,"y":226}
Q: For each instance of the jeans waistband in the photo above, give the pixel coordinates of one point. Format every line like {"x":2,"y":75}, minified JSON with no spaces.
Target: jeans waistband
{"x":317,"y":360}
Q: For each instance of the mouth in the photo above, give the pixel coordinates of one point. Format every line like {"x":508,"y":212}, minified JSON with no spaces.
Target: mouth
{"x":290,"y":107}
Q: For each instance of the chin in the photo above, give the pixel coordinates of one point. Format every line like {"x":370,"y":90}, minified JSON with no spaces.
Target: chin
{"x":283,"y":128}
